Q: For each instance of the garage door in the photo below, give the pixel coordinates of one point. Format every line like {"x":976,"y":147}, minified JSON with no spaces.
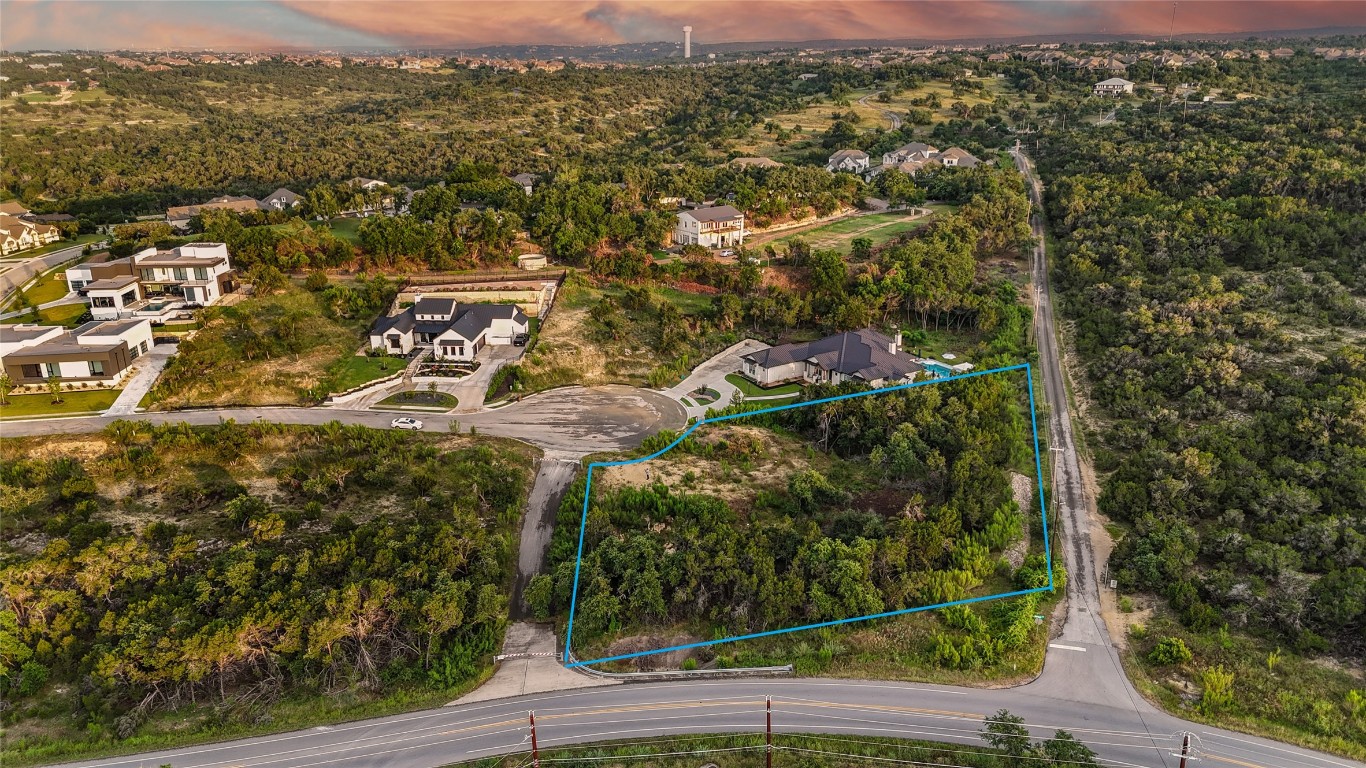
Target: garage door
{"x":499,"y":339}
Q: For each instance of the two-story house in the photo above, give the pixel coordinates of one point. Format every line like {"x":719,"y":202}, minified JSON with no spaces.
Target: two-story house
{"x":1115,"y":86}
{"x":719,"y":226}
{"x":852,"y":160}
{"x":155,"y":284}
{"x":913,"y":151}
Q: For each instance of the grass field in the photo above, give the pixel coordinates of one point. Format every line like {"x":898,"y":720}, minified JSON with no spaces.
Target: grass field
{"x":66,"y":314}
{"x":355,"y":370}
{"x":346,"y":229}
{"x":25,"y":406}
{"x":878,"y":227}
{"x":815,"y":119}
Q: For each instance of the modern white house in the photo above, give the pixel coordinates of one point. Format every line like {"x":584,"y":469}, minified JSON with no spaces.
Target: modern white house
{"x":155,"y":284}
{"x":95,"y":353}
{"x":452,"y":331}
{"x":866,"y":356}
{"x":1115,"y":86}
{"x":113,"y":297}
{"x":852,"y":160}
{"x":719,"y":226}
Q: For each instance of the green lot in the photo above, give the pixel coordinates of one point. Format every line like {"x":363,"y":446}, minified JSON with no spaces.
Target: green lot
{"x":750,"y":389}
{"x":877,"y":227}
{"x":354,"y":371}
{"x":25,"y":406}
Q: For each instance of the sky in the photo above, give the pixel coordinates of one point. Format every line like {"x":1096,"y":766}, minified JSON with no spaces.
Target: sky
{"x":314,"y":24}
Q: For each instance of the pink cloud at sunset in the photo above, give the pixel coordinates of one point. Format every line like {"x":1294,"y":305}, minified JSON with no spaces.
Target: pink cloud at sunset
{"x":258,"y":24}
{"x":478,"y":22}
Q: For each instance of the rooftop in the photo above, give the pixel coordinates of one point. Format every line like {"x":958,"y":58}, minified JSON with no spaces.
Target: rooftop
{"x":714,"y":213}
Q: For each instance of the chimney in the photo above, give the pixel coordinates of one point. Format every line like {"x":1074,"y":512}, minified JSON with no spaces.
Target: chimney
{"x":894,"y":346}
{"x":687,"y":42}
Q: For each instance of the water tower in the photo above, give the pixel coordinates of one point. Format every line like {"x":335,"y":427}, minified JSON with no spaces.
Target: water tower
{"x":687,"y":42}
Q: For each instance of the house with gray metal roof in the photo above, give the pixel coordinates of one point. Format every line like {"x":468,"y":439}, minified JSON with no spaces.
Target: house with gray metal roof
{"x":450,"y":330}
{"x":865,"y":356}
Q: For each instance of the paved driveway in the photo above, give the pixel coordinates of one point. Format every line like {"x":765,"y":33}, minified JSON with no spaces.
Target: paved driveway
{"x":146,"y":369}
{"x":712,"y":374}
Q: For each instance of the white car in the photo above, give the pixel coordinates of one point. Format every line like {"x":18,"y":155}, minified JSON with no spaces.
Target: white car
{"x":405,"y":422}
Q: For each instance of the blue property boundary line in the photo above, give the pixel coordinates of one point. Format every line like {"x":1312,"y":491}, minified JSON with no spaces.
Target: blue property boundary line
{"x":588,"y":495}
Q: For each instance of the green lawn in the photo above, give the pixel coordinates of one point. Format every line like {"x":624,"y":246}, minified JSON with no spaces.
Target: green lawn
{"x":750,"y":389}
{"x":175,"y":327}
{"x":422,"y":399}
{"x":23,"y":406}
{"x":346,"y":229}
{"x":49,"y":287}
{"x":354,"y":371}
{"x":877,"y":227}
{"x":66,"y":314}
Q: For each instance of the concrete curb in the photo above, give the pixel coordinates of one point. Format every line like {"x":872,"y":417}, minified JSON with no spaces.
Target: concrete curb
{"x":682,"y":674}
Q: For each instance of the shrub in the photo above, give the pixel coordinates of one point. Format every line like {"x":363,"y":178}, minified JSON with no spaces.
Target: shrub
{"x":689,"y":664}
{"x":1218,"y":689}
{"x":1169,"y":651}
{"x":1126,"y":605}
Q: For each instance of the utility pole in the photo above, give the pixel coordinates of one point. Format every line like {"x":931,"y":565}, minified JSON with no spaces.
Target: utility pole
{"x":1185,"y":748}
{"x":768,"y":732}
{"x":1172,"y":31}
{"x":535,"y":753}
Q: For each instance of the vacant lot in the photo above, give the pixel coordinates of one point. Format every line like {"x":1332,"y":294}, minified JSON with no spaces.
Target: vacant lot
{"x":284,"y":349}
{"x":840,"y":235}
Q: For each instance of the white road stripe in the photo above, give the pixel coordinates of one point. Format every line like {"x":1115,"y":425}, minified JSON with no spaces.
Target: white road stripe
{"x":1067,"y":647}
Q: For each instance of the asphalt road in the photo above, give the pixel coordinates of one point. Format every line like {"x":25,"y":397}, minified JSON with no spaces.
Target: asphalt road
{"x":572,"y":421}
{"x":848,"y":708}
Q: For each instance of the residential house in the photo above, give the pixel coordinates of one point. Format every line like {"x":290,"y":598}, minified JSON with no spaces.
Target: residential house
{"x":367,"y":184}
{"x":179,"y":216}
{"x":866,"y":356}
{"x":807,"y":76}
{"x":526,"y":181}
{"x":453,"y":331}
{"x":155,"y":284}
{"x":953,"y":157}
{"x":18,"y":234}
{"x":96,"y":352}
{"x":1282,"y":53}
{"x":196,"y":273}
{"x":912,"y":151}
{"x":718,"y":226}
{"x":113,"y":297}
{"x":853,"y":160}
{"x":1115,"y":86}
{"x":279,"y":200}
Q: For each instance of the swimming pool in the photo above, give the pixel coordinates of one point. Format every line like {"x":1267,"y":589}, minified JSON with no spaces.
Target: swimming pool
{"x":937,"y":369}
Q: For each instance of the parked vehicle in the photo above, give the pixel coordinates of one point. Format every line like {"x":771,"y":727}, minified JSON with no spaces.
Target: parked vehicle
{"x":521,"y":339}
{"x":405,"y":422}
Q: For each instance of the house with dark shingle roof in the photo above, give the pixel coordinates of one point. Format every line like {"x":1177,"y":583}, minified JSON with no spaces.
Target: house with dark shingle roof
{"x":866,"y":356}
{"x":279,"y":200}
{"x":452,"y":331}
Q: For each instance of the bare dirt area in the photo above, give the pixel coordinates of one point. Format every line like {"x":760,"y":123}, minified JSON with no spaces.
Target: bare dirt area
{"x":656,"y":661}
{"x":755,"y":460}
{"x":565,"y":350}
{"x":1021,"y":488}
